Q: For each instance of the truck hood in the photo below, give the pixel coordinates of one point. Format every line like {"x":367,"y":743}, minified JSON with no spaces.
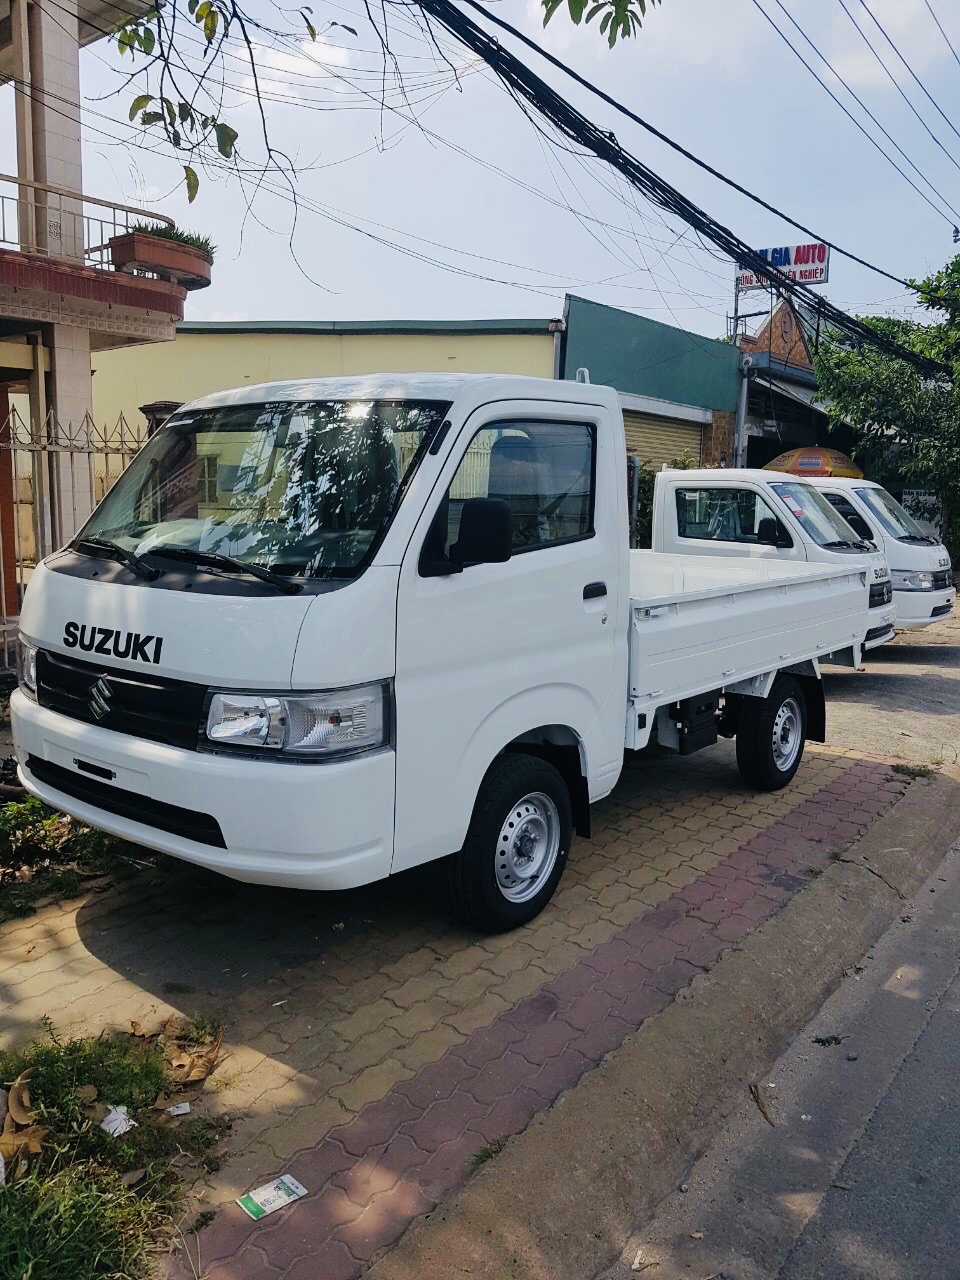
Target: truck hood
{"x":246,"y":642}
{"x":913,"y":556}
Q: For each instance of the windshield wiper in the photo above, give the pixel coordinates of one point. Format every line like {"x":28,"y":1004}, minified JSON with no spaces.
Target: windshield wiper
{"x":227,"y":564}
{"x":842,"y":542}
{"x":917,"y":537}
{"x":113,"y":551}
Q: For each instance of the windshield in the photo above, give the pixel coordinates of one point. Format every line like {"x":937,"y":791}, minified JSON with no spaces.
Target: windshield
{"x":894,"y":519}
{"x":305,"y":488}
{"x":816,"y":516}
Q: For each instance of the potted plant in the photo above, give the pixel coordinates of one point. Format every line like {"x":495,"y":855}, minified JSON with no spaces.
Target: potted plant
{"x":180,"y":256}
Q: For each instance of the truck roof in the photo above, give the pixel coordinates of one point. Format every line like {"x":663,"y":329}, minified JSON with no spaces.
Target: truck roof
{"x":701,"y":475}
{"x":478,"y":388}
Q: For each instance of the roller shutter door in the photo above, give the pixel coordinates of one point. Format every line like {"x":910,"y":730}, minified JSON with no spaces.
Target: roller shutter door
{"x":659,"y":440}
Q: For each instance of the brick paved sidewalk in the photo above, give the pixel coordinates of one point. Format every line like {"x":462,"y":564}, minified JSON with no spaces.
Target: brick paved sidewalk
{"x":374,"y":1051}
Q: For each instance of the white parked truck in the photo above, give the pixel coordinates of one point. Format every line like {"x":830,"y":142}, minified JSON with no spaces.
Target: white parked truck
{"x":920,"y":569}
{"x":323,"y":631}
{"x":766,"y":514}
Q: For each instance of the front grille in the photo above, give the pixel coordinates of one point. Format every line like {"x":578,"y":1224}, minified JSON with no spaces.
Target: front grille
{"x":876,"y":632}
{"x":142,"y":705}
{"x":880,"y":593}
{"x":200,"y":827}
{"x":941,"y":611}
{"x":942,"y":579}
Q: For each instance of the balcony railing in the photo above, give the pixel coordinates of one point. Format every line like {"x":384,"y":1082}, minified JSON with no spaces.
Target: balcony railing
{"x":56,"y":223}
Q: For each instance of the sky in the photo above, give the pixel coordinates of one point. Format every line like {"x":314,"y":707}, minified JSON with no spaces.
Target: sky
{"x":497,"y":221}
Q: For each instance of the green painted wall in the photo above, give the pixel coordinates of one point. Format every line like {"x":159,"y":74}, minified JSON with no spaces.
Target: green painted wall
{"x":647,"y":358}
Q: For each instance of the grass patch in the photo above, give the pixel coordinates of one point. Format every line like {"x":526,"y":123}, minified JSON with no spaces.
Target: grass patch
{"x":46,"y":855}
{"x":914,"y":771}
{"x":89,"y":1206}
{"x":487,"y":1153}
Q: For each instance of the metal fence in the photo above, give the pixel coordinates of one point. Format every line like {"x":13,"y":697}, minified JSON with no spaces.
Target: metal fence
{"x":50,"y":478}
{"x":36,"y":217}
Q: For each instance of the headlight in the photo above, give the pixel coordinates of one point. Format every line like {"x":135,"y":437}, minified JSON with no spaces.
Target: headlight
{"x":904,"y":580}
{"x":27,"y":667}
{"x":305,"y":725}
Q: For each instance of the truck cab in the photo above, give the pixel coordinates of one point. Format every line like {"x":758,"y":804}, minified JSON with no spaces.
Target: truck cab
{"x":920,"y":569}
{"x":763,"y":514}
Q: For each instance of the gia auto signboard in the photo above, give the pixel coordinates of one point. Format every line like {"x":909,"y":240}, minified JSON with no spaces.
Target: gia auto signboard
{"x":806,"y":263}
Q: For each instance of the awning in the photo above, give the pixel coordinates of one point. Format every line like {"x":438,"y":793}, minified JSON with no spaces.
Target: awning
{"x":803,"y":395}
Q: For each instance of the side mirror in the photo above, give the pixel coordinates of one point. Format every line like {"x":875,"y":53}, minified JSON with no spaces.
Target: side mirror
{"x":486,"y":533}
{"x":771,"y":533}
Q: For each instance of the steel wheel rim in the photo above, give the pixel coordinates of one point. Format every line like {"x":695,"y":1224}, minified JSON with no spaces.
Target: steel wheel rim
{"x":787,"y":734}
{"x":527,"y":847}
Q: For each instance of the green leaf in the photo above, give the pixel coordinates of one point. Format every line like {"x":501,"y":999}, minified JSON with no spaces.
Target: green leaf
{"x":202,"y":10}
{"x":576,"y":8}
{"x":151,"y":117}
{"x":352,"y":30}
{"x":125,"y":42}
{"x":185,"y":112}
{"x":148,"y":41}
{"x":210,"y":25}
{"x":171,"y":111}
{"x":192,"y":181}
{"x":226,"y":137}
{"x":192,"y":6}
{"x":138,"y":104}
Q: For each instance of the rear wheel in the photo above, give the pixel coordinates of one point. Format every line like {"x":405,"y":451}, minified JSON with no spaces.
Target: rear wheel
{"x":771,"y":736}
{"x":516,"y":847}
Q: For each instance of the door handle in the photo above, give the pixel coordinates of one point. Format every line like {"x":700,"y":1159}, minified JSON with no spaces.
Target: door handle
{"x":593,"y":590}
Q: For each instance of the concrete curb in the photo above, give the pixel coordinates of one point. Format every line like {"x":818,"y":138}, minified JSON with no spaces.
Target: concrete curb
{"x":564,"y":1195}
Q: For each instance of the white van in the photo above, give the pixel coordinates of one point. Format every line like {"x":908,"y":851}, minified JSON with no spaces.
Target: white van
{"x":920,"y":570}
{"x":320,"y":632}
{"x":767,"y":514}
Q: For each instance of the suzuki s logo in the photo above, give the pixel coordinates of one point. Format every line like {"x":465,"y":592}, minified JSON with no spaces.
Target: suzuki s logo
{"x":100,"y":695}
{"x":117,"y":644}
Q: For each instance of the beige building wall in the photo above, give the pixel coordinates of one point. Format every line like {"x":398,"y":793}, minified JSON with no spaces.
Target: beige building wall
{"x":197,"y":364}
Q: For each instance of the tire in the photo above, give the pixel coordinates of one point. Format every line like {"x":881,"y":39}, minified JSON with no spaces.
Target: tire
{"x":771,"y":736}
{"x":516,"y":847}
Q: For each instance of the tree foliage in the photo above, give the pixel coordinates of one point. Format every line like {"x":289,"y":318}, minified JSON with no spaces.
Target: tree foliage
{"x":619,"y":19}
{"x":908,"y":423}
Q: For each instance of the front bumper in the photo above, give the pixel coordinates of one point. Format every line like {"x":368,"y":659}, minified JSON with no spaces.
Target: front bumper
{"x":880,"y":625}
{"x":305,"y":826}
{"x":919,"y":609}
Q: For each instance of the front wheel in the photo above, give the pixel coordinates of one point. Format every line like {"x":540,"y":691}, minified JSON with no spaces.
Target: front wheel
{"x":771,"y":736}
{"x":516,"y":847}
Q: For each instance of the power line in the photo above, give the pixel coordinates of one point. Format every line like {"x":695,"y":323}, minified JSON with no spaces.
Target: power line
{"x":675,"y":146}
{"x":869,"y":136}
{"x":890,"y":42}
{"x":942,"y":32}
{"x":526,"y":85}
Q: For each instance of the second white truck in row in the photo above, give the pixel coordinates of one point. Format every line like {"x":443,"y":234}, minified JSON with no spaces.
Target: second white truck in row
{"x":323,"y":631}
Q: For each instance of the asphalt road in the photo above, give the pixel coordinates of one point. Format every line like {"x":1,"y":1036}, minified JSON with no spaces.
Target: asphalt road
{"x":857,"y":1177}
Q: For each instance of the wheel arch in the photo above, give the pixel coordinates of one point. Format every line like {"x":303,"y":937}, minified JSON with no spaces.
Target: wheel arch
{"x":562,"y":747}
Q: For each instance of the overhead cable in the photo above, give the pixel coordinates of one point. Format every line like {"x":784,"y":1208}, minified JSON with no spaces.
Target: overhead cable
{"x":529,"y":87}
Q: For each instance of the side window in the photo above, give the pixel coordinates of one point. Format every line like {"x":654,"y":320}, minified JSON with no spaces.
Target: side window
{"x":543,"y":471}
{"x":852,"y":516}
{"x":726,"y":515}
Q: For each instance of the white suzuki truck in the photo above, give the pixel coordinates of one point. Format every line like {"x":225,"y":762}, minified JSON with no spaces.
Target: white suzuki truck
{"x":323,"y":631}
{"x":923,"y":589}
{"x":767,"y":514}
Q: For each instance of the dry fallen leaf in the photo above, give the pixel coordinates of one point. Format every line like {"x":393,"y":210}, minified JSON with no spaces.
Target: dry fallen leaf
{"x":8,"y":1124}
{"x":696,"y":1235}
{"x":189,"y":1068}
{"x":86,"y":1092}
{"x":761,"y":1102}
{"x":18,"y":1100}
{"x":133,"y":1177}
{"x":96,"y":1111}
{"x":23,"y":1142}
